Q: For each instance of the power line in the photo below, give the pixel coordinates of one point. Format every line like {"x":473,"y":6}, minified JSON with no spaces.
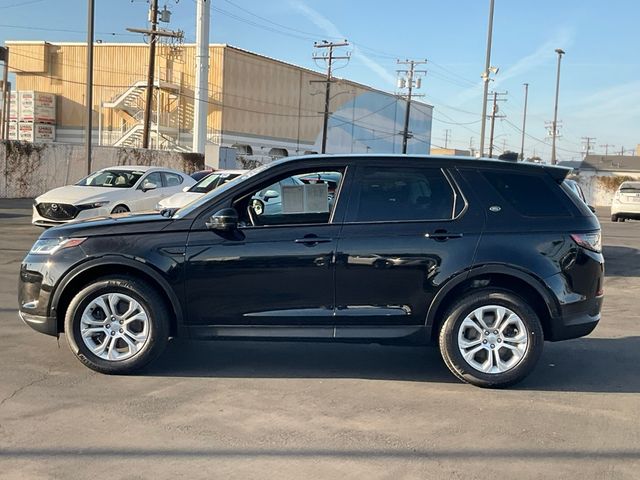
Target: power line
{"x":21,"y":4}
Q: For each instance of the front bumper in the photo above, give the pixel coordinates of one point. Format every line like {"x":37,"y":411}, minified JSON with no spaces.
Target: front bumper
{"x":42,"y":324}
{"x":41,"y":221}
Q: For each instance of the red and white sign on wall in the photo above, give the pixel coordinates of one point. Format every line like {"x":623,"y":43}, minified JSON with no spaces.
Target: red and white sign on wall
{"x":37,"y":107}
{"x":13,"y":131}
{"x":36,"y":132}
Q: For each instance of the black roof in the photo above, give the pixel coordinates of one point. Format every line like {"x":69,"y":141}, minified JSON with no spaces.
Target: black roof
{"x":557,"y":172}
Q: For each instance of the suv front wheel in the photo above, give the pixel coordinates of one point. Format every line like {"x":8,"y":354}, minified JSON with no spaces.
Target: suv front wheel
{"x":491,"y":338}
{"x":117,"y":325}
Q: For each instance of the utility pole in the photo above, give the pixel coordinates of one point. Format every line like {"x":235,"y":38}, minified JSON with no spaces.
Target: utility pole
{"x":606,"y":148}
{"x":494,"y":115}
{"x":560,"y":52}
{"x":504,"y":145}
{"x":89,"y":94}
{"x":153,"y":15}
{"x":200,"y":103}
{"x":471,"y":152}
{"x":447,"y":132}
{"x":409,"y":83}
{"x":485,"y":78}
{"x":586,"y":144}
{"x":329,"y":58}
{"x":524,"y":119}
{"x":6,"y":94}
{"x":153,"y":34}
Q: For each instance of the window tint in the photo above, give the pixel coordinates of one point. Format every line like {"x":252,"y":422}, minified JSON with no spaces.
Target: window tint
{"x":171,"y":179}
{"x":529,"y":195}
{"x":288,"y":201}
{"x":402,"y":193}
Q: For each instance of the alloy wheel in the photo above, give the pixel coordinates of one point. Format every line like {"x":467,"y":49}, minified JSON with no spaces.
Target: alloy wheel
{"x":114,"y":326}
{"x":493,"y":339}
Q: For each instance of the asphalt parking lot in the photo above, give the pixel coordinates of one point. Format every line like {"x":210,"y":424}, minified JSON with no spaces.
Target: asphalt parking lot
{"x":307,"y":410}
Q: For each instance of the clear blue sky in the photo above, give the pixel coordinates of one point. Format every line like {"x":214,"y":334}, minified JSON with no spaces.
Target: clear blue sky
{"x":600,"y":84}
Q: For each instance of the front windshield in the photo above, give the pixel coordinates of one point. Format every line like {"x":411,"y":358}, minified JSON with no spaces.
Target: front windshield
{"x":181,"y":213}
{"x":111,"y":179}
{"x":212,"y":181}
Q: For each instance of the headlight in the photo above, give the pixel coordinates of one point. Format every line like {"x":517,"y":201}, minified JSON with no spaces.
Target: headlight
{"x":89,"y":206}
{"x":49,"y":246}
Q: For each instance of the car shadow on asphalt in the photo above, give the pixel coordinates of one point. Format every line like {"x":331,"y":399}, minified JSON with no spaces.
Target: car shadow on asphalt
{"x":621,"y":261}
{"x":300,"y":360}
{"x":583,"y":365}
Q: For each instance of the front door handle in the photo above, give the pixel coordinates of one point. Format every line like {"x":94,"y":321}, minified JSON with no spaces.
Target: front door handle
{"x":312,"y":240}
{"x":442,"y":235}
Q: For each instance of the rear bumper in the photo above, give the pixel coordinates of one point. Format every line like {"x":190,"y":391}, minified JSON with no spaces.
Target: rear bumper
{"x":631,"y":209}
{"x":578,"y":324}
{"x":42,"y":324}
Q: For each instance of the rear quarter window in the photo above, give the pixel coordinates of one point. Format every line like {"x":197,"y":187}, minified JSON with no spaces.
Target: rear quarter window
{"x":529,"y":195}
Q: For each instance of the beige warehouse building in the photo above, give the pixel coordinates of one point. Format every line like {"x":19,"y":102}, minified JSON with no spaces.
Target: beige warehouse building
{"x":262,"y":106}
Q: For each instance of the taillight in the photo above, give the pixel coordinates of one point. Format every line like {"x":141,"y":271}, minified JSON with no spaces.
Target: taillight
{"x":591,"y":241}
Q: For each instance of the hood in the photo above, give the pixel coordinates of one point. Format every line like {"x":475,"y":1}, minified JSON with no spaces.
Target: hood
{"x":76,"y":194}
{"x":179,"y":200}
{"x":126,"y":223}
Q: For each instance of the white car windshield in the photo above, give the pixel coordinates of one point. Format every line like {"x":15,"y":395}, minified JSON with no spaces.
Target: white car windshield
{"x":112,"y":178}
{"x":223,"y":188}
{"x":212,"y":181}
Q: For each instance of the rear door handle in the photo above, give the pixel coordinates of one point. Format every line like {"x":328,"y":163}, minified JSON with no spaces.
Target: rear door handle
{"x":443,"y":235}
{"x":313,"y":240}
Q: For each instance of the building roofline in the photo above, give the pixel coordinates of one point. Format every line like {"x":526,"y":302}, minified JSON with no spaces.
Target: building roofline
{"x":218,"y":45}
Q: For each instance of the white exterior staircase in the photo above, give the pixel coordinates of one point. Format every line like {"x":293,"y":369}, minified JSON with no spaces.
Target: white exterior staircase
{"x":163,"y":134}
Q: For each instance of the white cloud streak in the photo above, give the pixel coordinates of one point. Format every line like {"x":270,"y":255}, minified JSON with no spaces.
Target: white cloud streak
{"x":330,"y":29}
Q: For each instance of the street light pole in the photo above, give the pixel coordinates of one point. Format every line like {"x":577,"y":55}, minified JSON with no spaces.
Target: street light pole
{"x":485,"y":79}
{"x":89,"y":94}
{"x":554,"y":133}
{"x":524,"y":119}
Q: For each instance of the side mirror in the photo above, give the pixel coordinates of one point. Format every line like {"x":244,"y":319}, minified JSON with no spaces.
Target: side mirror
{"x":224,"y":220}
{"x":186,"y":189}
{"x":146,"y":186}
{"x":269,"y":194}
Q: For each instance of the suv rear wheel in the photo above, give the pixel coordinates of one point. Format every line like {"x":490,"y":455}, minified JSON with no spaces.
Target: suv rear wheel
{"x":491,"y":338}
{"x":117,"y":325}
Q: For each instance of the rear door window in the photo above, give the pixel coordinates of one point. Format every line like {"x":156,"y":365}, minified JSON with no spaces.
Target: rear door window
{"x":529,"y":195}
{"x":384,"y":194}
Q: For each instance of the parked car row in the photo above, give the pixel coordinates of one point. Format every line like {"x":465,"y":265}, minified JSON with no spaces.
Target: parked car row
{"x":486,"y":258}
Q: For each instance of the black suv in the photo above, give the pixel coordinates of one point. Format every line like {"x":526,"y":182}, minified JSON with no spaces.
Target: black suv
{"x":486,"y":258}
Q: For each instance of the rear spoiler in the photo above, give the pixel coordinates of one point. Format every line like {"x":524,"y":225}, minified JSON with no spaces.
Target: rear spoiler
{"x":557,"y":173}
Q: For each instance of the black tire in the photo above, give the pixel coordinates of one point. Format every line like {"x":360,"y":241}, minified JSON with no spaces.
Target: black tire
{"x":621,"y":219}
{"x":614,"y":218}
{"x":453,"y":358}
{"x":120,"y":209}
{"x":148,"y":298}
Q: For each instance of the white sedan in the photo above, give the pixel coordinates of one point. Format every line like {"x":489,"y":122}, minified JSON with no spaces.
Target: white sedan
{"x":110,"y":190}
{"x":205,"y":185}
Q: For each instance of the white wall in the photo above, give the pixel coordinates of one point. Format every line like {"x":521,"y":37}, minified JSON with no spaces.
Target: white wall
{"x":595,"y":192}
{"x":30,"y":169}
